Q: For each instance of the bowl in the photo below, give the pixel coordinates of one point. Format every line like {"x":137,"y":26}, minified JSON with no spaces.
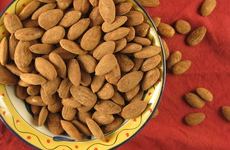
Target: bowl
{"x":16,"y":115}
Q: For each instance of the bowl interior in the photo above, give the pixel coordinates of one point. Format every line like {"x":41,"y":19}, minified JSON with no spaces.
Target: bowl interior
{"x":16,"y":114}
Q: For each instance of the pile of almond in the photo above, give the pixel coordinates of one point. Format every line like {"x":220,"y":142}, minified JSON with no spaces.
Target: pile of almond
{"x":82,"y":65}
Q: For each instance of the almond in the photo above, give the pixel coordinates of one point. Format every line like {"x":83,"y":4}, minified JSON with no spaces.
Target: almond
{"x":68,"y":113}
{"x":54,"y":123}
{"x":12,"y":23}
{"x":165,"y":30}
{"x":106,"y":92}
{"x":70,"y":18}
{"x":21,"y":92}
{"x":33,"y":90}
{"x":119,"y":21}
{"x":94,"y":3}
{"x":4,"y":50}
{"x":42,"y":116}
{"x":149,"y":3}
{"x":174,"y":58}
{"x":102,"y":118}
{"x":63,"y":4}
{"x":45,"y":68}
{"x":87,"y":62}
{"x":194,"y":100}
{"x":142,"y":29}
{"x":63,"y":53}
{"x":196,"y":36}
{"x":48,"y":99}
{"x":95,"y":129}
{"x":147,"y":52}
{"x":131,"y":93}
{"x":114,"y":75}
{"x":41,"y":48}
{"x":120,"y":44}
{"x":133,"y":110}
{"x":81,"y":5}
{"x":118,"y":99}
{"x":106,"y":64}
{"x":82,"y":127}
{"x":137,"y":63}
{"x":151,"y":63}
{"x":194,"y":118}
{"x":74,"y":72}
{"x":51,"y":86}
{"x":129,"y":81}
{"x":59,"y":64}
{"x":226,"y":112}
{"x":156,"y":21}
{"x":131,"y":35}
{"x":123,"y":8}
{"x":134,"y":18}
{"x":207,"y":7}
{"x":125,"y":63}
{"x":42,"y":9}
{"x":142,"y":41}
{"x":35,"y":100}
{"x":107,"y":107}
{"x":50,"y":18}
{"x":56,"y":106}
{"x":78,"y":28}
{"x":166,"y":49}
{"x":107,"y":10}
{"x":150,"y":78}
{"x":113,"y":125}
{"x":70,"y":102}
{"x":181,"y":67}
{"x":35,"y":109}
{"x":12,"y":45}
{"x":71,"y":130}
{"x":71,"y":46}
{"x":95,"y":17}
{"x":32,"y":79}
{"x":91,"y":38}
{"x":182,"y":26}
{"x":28,"y":23}
{"x":116,"y":34}
{"x":86,"y":78}
{"x":83,"y":95}
{"x":48,"y":37}
{"x":7,"y":77}
{"x":29,"y":10}
{"x":97,"y":83}
{"x":204,"y":94}
{"x":131,"y":48}
{"x":103,"y":49}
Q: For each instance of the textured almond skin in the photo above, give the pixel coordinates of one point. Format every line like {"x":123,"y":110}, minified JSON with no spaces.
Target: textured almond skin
{"x":129,"y":81}
{"x":59,"y":64}
{"x":196,"y":36}
{"x":165,"y":30}
{"x":106,"y":92}
{"x":107,"y":107}
{"x":68,"y":113}
{"x":113,"y":125}
{"x":95,"y":129}
{"x":70,"y":102}
{"x":182,"y":27}
{"x":107,"y":10}
{"x":70,"y":18}
{"x":97,"y":83}
{"x":50,"y":18}
{"x":42,"y":9}
{"x":207,"y":7}
{"x":142,"y":29}
{"x":29,"y":10}
{"x":151,"y":63}
{"x":194,"y":100}
{"x":173,"y":59}
{"x":42,"y":116}
{"x":134,"y":18}
{"x":156,"y":20}
{"x":12,"y":45}
{"x":105,"y":65}
{"x":166,"y":49}
{"x":32,"y":79}
{"x":29,"y":34}
{"x":204,"y":94}
{"x":150,"y":79}
{"x":4,"y":50}
{"x":123,"y":8}
{"x":7,"y":77}
{"x":64,"y":54}
{"x":41,"y":48}
{"x":82,"y":127}
{"x":33,"y":90}
{"x":81,"y":5}
{"x":119,"y":21}
{"x":71,"y":46}
{"x":149,"y":3}
{"x":12,"y":23}
{"x":91,"y":38}
{"x":147,"y":52}
{"x":87,"y":62}
{"x":13,"y":68}
{"x":131,"y":48}
{"x":86,"y":78}
{"x":125,"y":63}
{"x":103,"y":49}
{"x":35,"y":109}
{"x":30,"y":23}
{"x":194,"y":118}
{"x":45,"y":68}
{"x":48,"y":37}
{"x":131,"y":35}
{"x":120,"y":44}
{"x":63,"y":4}
{"x":131,"y":93}
{"x":142,"y":41}
{"x":78,"y":29}
{"x":83,"y":95}
{"x":71,"y":130}
{"x":74,"y":72}
{"x":118,"y":99}
{"x":35,"y":100}
{"x":133,"y":110}
{"x":181,"y":67}
{"x":114,"y":75}
{"x":94,"y":3}
{"x":21,"y":92}
{"x":116,"y":34}
{"x":51,"y":86}
{"x":226,"y":112}
{"x":22,"y":51}
{"x":95,"y":17}
{"x":54,"y":123}
{"x":101,"y":118}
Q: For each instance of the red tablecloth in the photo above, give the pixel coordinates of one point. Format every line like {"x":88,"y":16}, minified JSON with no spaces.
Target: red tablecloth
{"x":210,"y":69}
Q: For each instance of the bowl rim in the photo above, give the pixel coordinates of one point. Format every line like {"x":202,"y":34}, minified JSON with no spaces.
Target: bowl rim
{"x":159,"y":98}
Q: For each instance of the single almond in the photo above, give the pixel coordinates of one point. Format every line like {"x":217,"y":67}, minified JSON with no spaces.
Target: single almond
{"x":194,"y":118}
{"x":102,"y":118}
{"x":150,"y":78}
{"x":107,"y":107}
{"x":151,"y":63}
{"x":207,"y":7}
{"x":226,"y":112}
{"x":194,"y":100}
{"x":4,"y":51}
{"x":196,"y":36}
{"x":116,"y":34}
{"x":106,"y":64}
{"x":204,"y":94}
{"x":7,"y":77}
{"x":48,"y":37}
{"x":125,"y":63}
{"x":174,"y":58}
{"x":106,"y":92}
{"x":74,"y":72}
{"x":107,"y":10}
{"x":54,"y":123}
{"x":123,"y":8}
{"x":104,"y":48}
{"x":119,"y":21}
{"x":71,"y":46}
{"x":64,"y":88}
{"x":59,"y":64}
{"x":41,"y":48}
{"x":182,"y":26}
{"x":81,"y":5}
{"x":87,"y":62}
{"x":133,"y":110}
{"x":95,"y":17}
{"x":12,"y":23}
{"x":70,"y":18}
{"x":33,"y":79}
{"x":28,"y":10}
{"x":134,"y":18}
{"x":42,"y":116}
{"x":42,"y":9}
{"x":165,"y":30}
{"x":71,"y":130}
{"x":147,"y":52}
{"x":95,"y":129}
{"x":142,"y":30}
{"x":181,"y":67}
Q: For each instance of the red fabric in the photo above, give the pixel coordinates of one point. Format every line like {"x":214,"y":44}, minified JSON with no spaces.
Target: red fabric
{"x":210,"y":69}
